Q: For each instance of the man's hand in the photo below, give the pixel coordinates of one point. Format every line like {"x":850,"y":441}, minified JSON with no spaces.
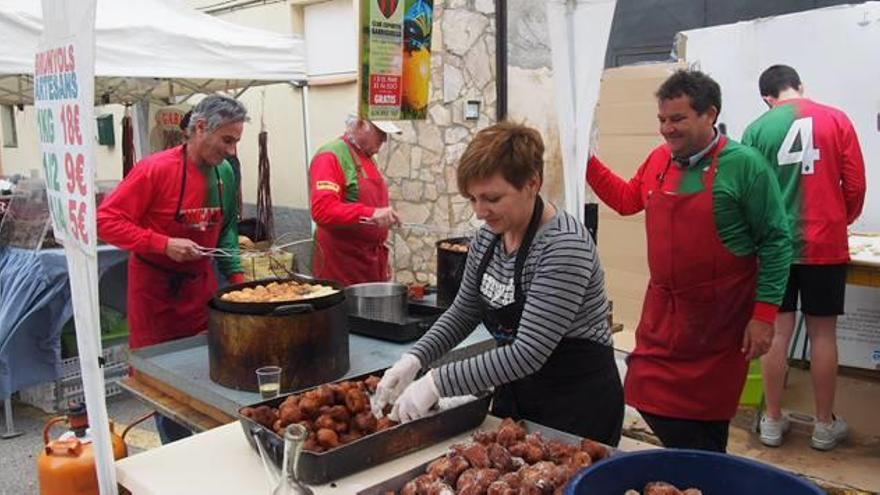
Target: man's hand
{"x":757,"y":339}
{"x":384,"y":217}
{"x":182,"y":250}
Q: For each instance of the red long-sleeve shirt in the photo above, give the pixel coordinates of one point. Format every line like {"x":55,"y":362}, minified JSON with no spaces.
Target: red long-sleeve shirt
{"x":327,"y":183}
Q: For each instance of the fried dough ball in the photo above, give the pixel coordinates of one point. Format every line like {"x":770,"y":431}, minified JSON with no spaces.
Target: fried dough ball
{"x":692,"y":491}
{"x":325,"y":395}
{"x":499,"y":487}
{"x":324,"y":421}
{"x":559,"y":452}
{"x":418,"y":485}
{"x":476,"y":481}
{"x":309,"y":407}
{"x":512,"y":479}
{"x":311,"y":444}
{"x":530,"y":452}
{"x":661,"y":488}
{"x":384,"y":423}
{"x":290,"y":413}
{"x":339,"y":413}
{"x":485,"y":437}
{"x":356,"y":400}
{"x":580,"y":459}
{"x":371,"y":383}
{"x":500,"y":458}
{"x":264,"y":415}
{"x":476,"y":454}
{"x":448,"y":468}
{"x":327,"y":438}
{"x":510,"y":433}
{"x":542,"y":476}
{"x":596,"y":450}
{"x":366,"y":422}
{"x":350,"y":436}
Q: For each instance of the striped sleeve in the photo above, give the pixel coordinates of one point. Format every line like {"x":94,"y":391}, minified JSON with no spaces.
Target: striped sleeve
{"x":562,"y":300}
{"x":463,"y":316}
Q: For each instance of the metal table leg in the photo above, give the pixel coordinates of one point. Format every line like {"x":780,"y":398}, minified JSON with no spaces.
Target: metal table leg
{"x":10,"y":424}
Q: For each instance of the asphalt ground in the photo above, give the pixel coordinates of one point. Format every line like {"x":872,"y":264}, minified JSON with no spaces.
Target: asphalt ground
{"x":18,"y":456}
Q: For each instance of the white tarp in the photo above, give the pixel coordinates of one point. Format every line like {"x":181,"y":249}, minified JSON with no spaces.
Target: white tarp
{"x":155,"y":48}
{"x":835,"y":51}
{"x":579,"y":31}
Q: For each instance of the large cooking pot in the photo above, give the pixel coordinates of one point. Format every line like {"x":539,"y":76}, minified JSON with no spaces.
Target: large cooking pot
{"x":307,"y":339}
{"x":377,"y":301}
{"x":450,"y":269}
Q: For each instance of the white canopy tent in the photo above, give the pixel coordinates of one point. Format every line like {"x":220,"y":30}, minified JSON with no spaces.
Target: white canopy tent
{"x":579,"y":31}
{"x":154,"y":49}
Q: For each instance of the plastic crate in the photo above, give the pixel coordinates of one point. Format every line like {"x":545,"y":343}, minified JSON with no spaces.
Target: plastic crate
{"x":753,"y":391}
{"x":54,"y":396}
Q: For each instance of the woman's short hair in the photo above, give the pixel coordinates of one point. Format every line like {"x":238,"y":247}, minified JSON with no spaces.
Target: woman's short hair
{"x":514,"y":150}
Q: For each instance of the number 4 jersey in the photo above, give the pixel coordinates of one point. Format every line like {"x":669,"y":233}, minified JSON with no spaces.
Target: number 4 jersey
{"x":815,"y":153}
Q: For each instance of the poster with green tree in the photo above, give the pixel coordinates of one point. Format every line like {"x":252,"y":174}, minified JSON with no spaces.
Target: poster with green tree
{"x":395,"y":58}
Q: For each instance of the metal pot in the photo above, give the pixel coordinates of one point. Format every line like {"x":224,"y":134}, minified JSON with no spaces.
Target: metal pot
{"x":379,"y":301}
{"x":309,"y":340}
{"x":450,"y":270}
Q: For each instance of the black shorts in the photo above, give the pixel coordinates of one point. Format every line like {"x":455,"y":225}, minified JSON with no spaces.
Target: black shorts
{"x":689,"y":433}
{"x":822,"y":289}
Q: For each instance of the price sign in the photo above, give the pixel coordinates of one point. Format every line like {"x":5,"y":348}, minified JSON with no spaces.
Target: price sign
{"x":63,"y":96}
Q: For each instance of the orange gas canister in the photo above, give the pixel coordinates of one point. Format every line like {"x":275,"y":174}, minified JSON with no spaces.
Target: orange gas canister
{"x":67,"y":464}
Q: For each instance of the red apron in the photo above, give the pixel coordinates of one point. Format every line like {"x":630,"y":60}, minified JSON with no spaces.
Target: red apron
{"x":687,"y":362}
{"x":355,"y":254}
{"x":168,"y":300}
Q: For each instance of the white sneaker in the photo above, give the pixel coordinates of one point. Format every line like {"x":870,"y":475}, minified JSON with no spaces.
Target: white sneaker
{"x":826,"y":436}
{"x":772,"y":430}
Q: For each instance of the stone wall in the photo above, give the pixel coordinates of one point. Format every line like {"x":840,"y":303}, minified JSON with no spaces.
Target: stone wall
{"x":420,"y":163}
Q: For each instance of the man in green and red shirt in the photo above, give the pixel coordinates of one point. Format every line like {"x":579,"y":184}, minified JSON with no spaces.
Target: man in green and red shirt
{"x":350,"y":205}
{"x":718,"y":253}
{"x":814,"y":151}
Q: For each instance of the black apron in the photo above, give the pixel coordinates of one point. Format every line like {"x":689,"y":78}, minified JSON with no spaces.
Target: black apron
{"x":578,"y":389}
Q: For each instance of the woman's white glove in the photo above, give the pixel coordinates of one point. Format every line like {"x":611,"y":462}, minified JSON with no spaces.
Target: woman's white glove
{"x":416,"y":400}
{"x":394,"y":381}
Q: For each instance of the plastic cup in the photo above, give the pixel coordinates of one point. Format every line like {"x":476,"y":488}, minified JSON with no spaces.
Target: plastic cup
{"x":269,"y":379}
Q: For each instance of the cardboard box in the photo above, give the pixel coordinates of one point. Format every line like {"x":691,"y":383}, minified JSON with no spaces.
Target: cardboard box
{"x":628,"y":131}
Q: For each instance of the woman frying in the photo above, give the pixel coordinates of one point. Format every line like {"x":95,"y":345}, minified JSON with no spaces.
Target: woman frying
{"x":534,"y":280}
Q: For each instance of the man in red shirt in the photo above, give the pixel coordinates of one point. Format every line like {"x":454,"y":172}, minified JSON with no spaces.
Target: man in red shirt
{"x":350,"y":205}
{"x":814,"y":152}
{"x":170,"y":207}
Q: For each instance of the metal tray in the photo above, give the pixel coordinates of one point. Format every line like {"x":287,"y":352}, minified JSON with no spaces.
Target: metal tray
{"x":396,"y":483}
{"x":418,"y":320}
{"x":371,"y":450}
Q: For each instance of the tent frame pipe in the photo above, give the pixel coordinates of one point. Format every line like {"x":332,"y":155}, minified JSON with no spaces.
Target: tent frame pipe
{"x":10,"y":424}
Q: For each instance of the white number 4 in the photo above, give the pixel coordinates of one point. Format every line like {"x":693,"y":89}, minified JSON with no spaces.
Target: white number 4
{"x":807,"y":155}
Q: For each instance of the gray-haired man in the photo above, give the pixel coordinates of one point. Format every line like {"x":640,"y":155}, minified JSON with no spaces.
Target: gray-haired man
{"x":172,"y":206}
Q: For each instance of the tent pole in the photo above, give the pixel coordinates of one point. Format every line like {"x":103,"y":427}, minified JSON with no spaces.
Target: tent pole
{"x":10,"y":424}
{"x":307,"y":143}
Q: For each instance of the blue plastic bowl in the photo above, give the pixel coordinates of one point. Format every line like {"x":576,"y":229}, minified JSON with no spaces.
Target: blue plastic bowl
{"x":711,"y":472}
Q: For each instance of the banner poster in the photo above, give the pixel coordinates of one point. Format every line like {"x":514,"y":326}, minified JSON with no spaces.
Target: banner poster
{"x":64,"y":88}
{"x":395,"y":58}
{"x":63,"y":97}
